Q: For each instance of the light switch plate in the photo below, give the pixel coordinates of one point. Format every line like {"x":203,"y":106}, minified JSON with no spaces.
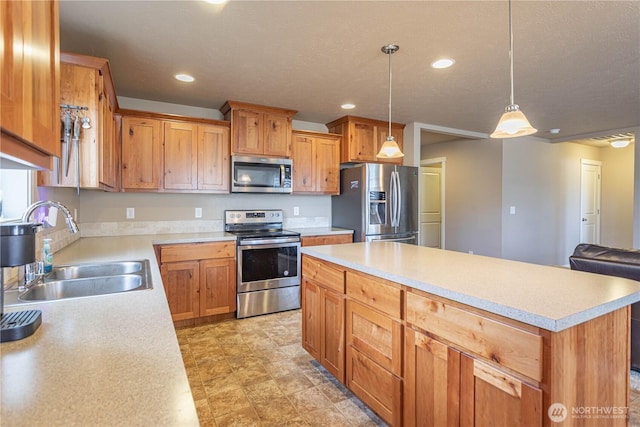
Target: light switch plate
{"x":131,"y":213}
{"x":296,"y":210}
{"x":512,"y":210}
{"x":198,"y":212}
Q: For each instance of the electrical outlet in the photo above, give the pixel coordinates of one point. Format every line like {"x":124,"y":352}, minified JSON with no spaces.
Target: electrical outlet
{"x":131,"y":213}
{"x":198,"y":212}
{"x":296,"y":211}
{"x":471,"y":252}
{"x":512,"y":210}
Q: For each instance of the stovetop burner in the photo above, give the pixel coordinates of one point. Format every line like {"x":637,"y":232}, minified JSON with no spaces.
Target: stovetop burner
{"x":264,"y":224}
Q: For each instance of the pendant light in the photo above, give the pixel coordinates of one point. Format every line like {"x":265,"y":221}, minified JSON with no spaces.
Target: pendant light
{"x":390,"y":148}
{"x":513,"y":123}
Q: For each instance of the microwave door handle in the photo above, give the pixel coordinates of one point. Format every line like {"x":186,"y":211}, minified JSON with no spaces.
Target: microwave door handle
{"x":281,"y":176}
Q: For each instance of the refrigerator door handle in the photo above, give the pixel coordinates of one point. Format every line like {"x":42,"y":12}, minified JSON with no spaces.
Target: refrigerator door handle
{"x":398,"y":199}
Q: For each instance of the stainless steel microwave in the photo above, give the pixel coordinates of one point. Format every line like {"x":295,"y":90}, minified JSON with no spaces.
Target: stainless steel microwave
{"x":261,"y":175}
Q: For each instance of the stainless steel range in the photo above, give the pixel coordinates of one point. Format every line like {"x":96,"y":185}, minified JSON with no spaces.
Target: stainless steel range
{"x":268,"y":262}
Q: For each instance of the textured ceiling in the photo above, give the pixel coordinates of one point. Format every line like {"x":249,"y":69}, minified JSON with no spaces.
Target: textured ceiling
{"x":577,"y":63}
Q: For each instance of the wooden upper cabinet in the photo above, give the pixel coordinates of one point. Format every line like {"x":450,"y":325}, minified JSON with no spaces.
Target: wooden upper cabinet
{"x":180,"y":156}
{"x":141,"y":153}
{"x":316,"y":162}
{"x":86,"y":82}
{"x":259,"y":130}
{"x":30,"y":91}
{"x":213,"y":158}
{"x":362,"y":138}
{"x":194,"y":153}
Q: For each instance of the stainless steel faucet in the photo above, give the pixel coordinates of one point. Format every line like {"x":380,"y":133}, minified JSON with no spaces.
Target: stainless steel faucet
{"x":73,"y":227}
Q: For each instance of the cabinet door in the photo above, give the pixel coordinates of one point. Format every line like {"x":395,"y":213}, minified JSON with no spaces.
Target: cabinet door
{"x":311,"y":319}
{"x":376,"y":335}
{"x":247,"y":132}
{"x":303,"y":155}
{"x":490,"y":397}
{"x":180,"y":156}
{"x":141,"y":154}
{"x":375,"y":386}
{"x":431,"y":382}
{"x":277,"y":135}
{"x":332,"y":342}
{"x":327,"y":166}
{"x":181,"y":285}
{"x":107,"y":158}
{"x":213,"y":158}
{"x":362,"y":145}
{"x":217,"y":286}
{"x":31,"y":72}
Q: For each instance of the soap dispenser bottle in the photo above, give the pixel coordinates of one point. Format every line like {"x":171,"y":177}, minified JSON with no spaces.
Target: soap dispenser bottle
{"x":47,"y":256}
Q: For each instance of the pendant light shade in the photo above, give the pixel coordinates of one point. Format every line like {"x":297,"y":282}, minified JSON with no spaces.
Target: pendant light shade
{"x":513,"y":122}
{"x":390,"y":148}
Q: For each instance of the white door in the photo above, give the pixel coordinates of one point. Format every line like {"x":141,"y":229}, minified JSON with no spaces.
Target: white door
{"x":431,"y":206}
{"x":590,"y":202}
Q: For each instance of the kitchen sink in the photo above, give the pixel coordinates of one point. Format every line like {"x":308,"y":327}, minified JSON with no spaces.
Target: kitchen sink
{"x":85,"y":287}
{"x":80,"y":271}
{"x":91,"y":279}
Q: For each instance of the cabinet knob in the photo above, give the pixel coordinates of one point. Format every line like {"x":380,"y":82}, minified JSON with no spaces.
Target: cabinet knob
{"x":130,"y":131}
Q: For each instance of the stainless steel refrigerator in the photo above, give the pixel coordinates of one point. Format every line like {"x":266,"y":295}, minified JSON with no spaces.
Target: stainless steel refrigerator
{"x":378,"y":202}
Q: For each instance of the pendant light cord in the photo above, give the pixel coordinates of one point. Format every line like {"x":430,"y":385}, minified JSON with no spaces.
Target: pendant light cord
{"x":390,"y":53}
{"x":510,"y":53}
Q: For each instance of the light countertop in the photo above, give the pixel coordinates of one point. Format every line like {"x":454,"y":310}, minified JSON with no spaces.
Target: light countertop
{"x":552,"y":298}
{"x":101,"y":361}
{"x":105,"y":360}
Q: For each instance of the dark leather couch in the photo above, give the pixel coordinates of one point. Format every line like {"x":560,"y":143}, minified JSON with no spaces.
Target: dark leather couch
{"x":613,"y":262}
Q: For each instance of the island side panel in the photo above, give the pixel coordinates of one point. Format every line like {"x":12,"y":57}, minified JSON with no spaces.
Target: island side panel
{"x":587,"y":370}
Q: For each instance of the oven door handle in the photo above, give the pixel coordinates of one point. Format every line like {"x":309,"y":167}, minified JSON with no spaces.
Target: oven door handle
{"x":274,"y":243}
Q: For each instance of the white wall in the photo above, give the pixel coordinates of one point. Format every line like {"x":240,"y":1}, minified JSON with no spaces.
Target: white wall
{"x":473,"y":199}
{"x":542,"y":181}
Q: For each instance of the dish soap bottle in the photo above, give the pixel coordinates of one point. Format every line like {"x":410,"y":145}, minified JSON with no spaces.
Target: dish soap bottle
{"x":47,"y":256}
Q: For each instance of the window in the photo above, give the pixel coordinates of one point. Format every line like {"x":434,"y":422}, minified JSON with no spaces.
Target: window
{"x":16,"y":192}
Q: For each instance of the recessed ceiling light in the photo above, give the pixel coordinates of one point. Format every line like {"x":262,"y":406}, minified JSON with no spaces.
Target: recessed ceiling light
{"x":184,"y":78}
{"x":216,"y":1}
{"x":443,"y":63}
{"x":554,"y":130}
{"x":348,"y":106}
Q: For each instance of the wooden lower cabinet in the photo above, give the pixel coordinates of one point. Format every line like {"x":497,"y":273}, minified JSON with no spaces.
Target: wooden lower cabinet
{"x":217,"y":286}
{"x":431,"y":382}
{"x":375,"y":386}
{"x":199,"y":279}
{"x":323,"y":320}
{"x":327,"y":239}
{"x":489,"y":397}
{"x":417,"y":359}
{"x":374,"y":360}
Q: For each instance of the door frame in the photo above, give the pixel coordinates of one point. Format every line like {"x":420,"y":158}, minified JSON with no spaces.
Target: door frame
{"x":598,"y":164}
{"x":443,"y":162}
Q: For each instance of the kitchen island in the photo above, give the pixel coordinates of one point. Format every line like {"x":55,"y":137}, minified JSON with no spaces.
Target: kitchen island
{"x":434,"y":337}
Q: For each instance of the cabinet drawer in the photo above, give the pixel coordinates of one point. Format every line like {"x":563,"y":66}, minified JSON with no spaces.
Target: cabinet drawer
{"x":327,"y":240}
{"x":501,"y":343}
{"x":376,"y":335}
{"x":377,"y":387}
{"x":323,"y":273}
{"x":197,"y":251}
{"x":374,"y":292}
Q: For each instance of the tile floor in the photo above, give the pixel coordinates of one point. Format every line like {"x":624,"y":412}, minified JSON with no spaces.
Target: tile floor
{"x":254,"y":372}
